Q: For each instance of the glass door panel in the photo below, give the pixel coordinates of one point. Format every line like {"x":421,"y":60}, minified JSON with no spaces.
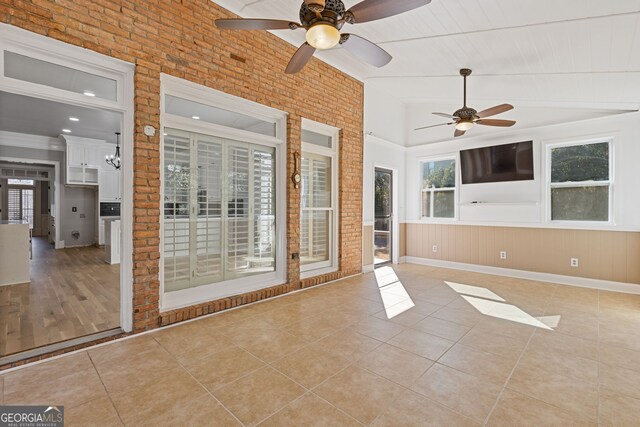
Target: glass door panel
{"x":383,"y":225}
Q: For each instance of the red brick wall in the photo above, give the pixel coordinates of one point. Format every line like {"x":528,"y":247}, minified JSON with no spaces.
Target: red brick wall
{"x":178,"y":37}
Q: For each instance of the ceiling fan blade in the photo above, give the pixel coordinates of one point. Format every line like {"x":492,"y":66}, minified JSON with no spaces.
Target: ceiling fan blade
{"x":496,"y":122}
{"x":370,"y":10}
{"x":255,"y":24}
{"x":300,"y":58}
{"x":494,"y":110}
{"x":433,"y":126}
{"x":458,"y":133}
{"x":365,"y":50}
{"x":448,"y":116}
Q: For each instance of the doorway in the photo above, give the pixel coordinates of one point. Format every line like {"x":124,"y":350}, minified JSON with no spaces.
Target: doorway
{"x":69,"y":290}
{"x":383,"y":217}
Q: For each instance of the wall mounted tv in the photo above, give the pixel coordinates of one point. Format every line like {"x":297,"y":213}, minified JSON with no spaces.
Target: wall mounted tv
{"x":498,"y":163}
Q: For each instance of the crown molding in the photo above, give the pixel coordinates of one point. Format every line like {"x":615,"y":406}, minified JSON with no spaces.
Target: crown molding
{"x":23,"y":140}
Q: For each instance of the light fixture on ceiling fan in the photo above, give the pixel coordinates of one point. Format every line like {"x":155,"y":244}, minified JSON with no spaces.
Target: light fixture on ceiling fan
{"x":323,"y":20}
{"x":465,"y":118}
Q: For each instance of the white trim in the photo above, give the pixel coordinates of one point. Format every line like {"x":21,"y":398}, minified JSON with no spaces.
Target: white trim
{"x":368,"y":268}
{"x":37,"y":142}
{"x":47,"y":49}
{"x":403,"y":260}
{"x":554,"y":225}
{"x":582,"y":282}
{"x":202,"y":94}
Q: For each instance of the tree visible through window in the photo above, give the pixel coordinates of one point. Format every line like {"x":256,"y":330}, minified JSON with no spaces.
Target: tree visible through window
{"x":438,"y":188}
{"x":580,"y":182}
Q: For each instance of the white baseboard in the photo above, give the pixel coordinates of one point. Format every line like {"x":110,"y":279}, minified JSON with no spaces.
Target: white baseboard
{"x":402,"y":260}
{"x":367,"y":268}
{"x":583,"y":282}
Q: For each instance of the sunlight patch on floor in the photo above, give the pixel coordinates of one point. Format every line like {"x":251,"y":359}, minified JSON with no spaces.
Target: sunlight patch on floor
{"x":504,"y":311}
{"x":395,"y":298}
{"x":475,"y":291}
{"x":491,"y":304}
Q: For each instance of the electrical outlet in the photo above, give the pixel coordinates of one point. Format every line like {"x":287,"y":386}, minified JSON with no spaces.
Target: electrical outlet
{"x":503,"y":255}
{"x":574,"y":262}
{"x":435,"y":248}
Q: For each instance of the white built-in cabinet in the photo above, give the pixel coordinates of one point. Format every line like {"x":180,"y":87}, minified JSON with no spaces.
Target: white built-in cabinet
{"x":82,"y":163}
{"x":86,"y":165}
{"x":109,"y":179}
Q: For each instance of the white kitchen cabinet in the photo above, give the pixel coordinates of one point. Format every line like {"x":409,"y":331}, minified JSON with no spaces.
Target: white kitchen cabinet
{"x":82,"y":164}
{"x":109,"y":189}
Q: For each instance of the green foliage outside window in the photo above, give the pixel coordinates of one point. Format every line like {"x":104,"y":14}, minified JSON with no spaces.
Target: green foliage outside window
{"x":577,"y":163}
{"x":439,"y":174}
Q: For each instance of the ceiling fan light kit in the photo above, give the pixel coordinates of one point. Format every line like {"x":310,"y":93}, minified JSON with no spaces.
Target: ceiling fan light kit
{"x":323,"y":36}
{"x":465,"y":118}
{"x":323,"y":20}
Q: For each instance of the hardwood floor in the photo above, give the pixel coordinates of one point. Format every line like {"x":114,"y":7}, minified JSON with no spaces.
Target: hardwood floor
{"x":72,"y":293}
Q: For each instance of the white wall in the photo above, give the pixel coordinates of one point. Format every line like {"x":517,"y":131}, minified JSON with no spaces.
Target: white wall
{"x":524,"y":202}
{"x":381,"y":153}
{"x":384,"y":115}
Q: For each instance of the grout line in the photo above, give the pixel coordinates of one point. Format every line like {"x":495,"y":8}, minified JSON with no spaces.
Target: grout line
{"x":504,"y":386}
{"x":105,"y":389}
{"x":200,"y":384}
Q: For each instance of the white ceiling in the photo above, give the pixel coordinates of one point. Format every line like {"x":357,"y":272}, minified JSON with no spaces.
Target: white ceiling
{"x":23,"y":114}
{"x":552,"y":59}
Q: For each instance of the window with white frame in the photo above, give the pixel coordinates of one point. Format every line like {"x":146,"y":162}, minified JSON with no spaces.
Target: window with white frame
{"x":580,"y":181}
{"x":438,"y":188}
{"x":221,"y":234}
{"x":318,"y":210}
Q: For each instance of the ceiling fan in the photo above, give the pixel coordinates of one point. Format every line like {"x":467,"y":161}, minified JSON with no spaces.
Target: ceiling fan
{"x":466,"y":117}
{"x":323,"y":20}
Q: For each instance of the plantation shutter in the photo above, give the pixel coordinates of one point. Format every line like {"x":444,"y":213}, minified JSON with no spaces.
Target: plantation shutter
{"x":264,"y":198}
{"x":237,"y":214}
{"x":177,"y":207}
{"x":219,"y":210}
{"x":15,"y":211}
{"x":209,"y":211}
{"x":316,"y":215}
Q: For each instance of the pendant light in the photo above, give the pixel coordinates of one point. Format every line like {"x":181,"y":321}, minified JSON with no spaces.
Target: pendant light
{"x":114,"y":160}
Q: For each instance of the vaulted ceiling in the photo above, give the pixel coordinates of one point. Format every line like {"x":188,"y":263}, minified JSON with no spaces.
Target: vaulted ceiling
{"x":554,"y":60}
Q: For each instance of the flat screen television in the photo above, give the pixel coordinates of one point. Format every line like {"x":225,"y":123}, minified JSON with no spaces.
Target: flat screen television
{"x":498,"y":163}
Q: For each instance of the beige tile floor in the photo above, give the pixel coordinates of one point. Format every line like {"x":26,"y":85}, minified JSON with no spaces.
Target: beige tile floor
{"x":410,"y":345}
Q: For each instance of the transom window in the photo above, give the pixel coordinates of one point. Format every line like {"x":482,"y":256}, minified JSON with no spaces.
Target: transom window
{"x":438,"y":188}
{"x":580,"y":181}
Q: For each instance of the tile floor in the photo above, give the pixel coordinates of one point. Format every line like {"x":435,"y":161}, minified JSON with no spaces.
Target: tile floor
{"x":409,"y":345}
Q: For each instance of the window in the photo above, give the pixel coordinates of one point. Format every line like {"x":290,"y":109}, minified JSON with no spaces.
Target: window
{"x":45,"y":73}
{"x":580,"y":182}
{"x":20,"y":200}
{"x":439,"y":188}
{"x":318,"y":210}
{"x":223,"y":195}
